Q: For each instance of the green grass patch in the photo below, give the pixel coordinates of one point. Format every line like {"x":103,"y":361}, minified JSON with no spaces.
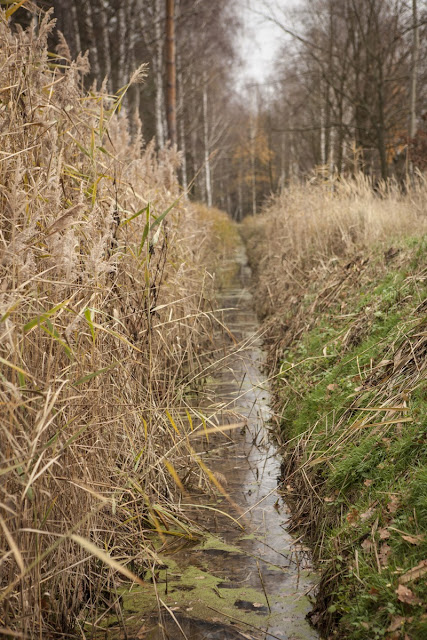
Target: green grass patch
{"x":352,"y":393}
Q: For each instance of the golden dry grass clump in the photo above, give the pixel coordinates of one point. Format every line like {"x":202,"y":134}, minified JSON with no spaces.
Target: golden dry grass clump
{"x":308,"y":226}
{"x":101,"y":314}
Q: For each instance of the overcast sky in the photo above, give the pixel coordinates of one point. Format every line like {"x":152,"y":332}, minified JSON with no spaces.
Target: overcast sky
{"x":261,"y":38}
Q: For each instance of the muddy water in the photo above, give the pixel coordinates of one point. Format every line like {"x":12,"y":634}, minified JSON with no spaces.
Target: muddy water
{"x":247,"y":577}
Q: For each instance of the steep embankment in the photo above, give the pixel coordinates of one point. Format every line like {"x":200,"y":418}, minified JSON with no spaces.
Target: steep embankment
{"x":347,"y":330}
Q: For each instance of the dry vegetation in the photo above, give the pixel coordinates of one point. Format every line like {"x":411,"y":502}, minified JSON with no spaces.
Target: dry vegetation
{"x":341,"y":275}
{"x":104,"y":311}
{"x":305,"y":230}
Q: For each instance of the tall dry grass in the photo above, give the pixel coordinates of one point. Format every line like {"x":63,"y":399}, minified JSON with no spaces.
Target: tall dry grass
{"x":103,"y":312}
{"x":307,"y":227}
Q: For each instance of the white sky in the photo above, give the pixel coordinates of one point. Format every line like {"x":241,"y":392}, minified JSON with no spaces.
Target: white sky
{"x":261,"y":39}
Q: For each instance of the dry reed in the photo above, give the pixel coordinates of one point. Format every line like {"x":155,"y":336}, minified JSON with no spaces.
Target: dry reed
{"x":303,"y":231}
{"x":103,"y":312}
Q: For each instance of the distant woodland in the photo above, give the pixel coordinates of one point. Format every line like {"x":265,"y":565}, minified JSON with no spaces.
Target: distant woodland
{"x":347,"y":93}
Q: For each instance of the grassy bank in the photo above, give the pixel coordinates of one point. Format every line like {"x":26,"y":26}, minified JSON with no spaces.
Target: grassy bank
{"x":105,"y":326}
{"x":341,"y":281}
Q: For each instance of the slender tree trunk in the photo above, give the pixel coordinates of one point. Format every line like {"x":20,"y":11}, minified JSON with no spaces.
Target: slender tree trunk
{"x":87,"y":37}
{"x":76,"y":32}
{"x":228,"y":199}
{"x":158,"y":72}
{"x":193,"y":134}
{"x":328,"y":83}
{"x":322,"y":136}
{"x":68,"y":24}
{"x":341,"y":136}
{"x":381,"y":141}
{"x":121,"y":46}
{"x":193,"y":139}
{"x":171,"y":70}
{"x":331,"y":154}
{"x":240,"y":193}
{"x":102,"y":38}
{"x":270,"y":157}
{"x":414,"y":70}
{"x":132,"y":95}
{"x":381,"y":113}
{"x":252,"y":134}
{"x":206,"y":142}
{"x":182,"y":141}
{"x":283,"y":162}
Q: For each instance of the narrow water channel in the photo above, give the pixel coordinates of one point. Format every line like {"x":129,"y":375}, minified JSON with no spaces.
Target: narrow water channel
{"x":247,"y":578}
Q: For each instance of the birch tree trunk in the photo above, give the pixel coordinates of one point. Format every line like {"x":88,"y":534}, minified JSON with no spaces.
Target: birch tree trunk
{"x":158,"y":72}
{"x":322,"y":137}
{"x":206,"y":142}
{"x":121,"y":46}
{"x":194,"y":147}
{"x":171,"y":71}
{"x":132,"y":8}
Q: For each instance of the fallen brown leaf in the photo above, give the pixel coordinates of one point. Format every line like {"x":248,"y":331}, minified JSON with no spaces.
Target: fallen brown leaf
{"x":396,"y":623}
{"x":414,"y":573}
{"x":367,"y":514}
{"x":367,"y":545}
{"x":352,"y":516}
{"x":407,"y":596}
{"x":384,"y":553}
{"x":414,"y":539}
{"x":384,"y":534}
{"x":394,"y":504}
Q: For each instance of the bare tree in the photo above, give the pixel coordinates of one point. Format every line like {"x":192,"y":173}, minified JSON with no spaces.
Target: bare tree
{"x":158,"y":71}
{"x":171,"y":71}
{"x":353,"y":66}
{"x":414,"y":71}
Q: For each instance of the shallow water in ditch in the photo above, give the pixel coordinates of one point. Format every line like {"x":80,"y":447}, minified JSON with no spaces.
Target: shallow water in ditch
{"x":236,"y":583}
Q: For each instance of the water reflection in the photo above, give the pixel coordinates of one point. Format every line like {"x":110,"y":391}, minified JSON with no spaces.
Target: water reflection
{"x":254,"y":574}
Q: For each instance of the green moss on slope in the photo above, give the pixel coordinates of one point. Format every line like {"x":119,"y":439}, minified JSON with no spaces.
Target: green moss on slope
{"x":352,"y":396}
